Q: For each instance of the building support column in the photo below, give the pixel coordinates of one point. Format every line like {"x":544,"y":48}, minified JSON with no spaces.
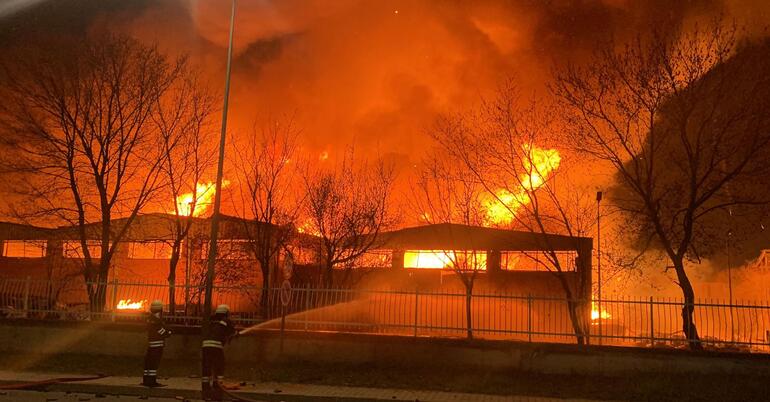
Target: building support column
{"x":397,"y":259}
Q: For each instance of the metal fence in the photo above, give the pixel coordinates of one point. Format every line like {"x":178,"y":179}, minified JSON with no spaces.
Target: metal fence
{"x":646,"y":322}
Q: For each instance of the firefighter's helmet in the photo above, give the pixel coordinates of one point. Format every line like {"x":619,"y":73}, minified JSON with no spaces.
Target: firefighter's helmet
{"x":222,"y":309}
{"x":156,"y":306}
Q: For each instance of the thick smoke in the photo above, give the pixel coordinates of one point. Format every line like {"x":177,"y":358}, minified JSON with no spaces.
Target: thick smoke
{"x":377,"y":72}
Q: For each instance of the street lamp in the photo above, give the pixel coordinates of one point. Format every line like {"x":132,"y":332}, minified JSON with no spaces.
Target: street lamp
{"x":220,"y":168}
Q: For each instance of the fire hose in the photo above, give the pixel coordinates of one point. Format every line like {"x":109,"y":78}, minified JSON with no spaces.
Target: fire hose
{"x":50,"y":381}
{"x":235,"y":397}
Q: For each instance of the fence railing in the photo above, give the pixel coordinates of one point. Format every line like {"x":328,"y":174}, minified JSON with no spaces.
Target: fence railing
{"x":648,"y":322}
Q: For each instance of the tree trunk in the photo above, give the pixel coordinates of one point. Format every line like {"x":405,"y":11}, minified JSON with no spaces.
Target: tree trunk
{"x":688,"y":324}
{"x":468,"y":316}
{"x":328,"y":276}
{"x":172,"y":264}
{"x":573,"y":308}
{"x":577,"y":326}
{"x":97,"y":295}
{"x":264,"y":298}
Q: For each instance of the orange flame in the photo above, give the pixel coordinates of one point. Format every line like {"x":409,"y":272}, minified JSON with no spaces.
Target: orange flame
{"x":596,"y":315}
{"x":540,"y":164}
{"x":128,"y":304}
{"x":204,"y":193}
{"x":308,"y":227}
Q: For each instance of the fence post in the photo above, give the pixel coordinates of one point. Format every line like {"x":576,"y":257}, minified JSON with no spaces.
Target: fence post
{"x":416,"y":301}
{"x":652,"y":324}
{"x":50,"y":304}
{"x":26,"y":297}
{"x":529,"y":317}
{"x":114,"y":298}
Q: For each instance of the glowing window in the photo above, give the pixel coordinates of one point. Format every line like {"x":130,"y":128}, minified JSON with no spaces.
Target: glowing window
{"x":235,"y":249}
{"x":24,"y":248}
{"x":374,"y":259}
{"x":440,"y":259}
{"x":149,"y":250}
{"x":74,"y":249}
{"x":536,"y":261}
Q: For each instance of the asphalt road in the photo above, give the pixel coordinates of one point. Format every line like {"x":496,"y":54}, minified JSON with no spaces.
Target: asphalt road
{"x":36,"y":396}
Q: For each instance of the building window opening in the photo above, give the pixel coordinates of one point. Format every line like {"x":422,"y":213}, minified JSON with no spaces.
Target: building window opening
{"x":446,"y":259}
{"x":24,"y":248}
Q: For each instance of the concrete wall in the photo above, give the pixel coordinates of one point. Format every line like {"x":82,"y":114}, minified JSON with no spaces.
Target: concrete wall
{"x":264,"y":346}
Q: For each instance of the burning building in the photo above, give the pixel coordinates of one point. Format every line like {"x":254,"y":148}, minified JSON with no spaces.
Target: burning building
{"x":506,"y":260}
{"x":428,"y":257}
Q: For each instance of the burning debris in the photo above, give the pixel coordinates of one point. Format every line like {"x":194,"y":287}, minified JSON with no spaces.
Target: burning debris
{"x":596,"y":315}
{"x":128,"y":304}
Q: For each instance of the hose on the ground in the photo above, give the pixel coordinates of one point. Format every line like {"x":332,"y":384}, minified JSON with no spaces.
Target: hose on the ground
{"x":236,"y":397}
{"x":50,"y":381}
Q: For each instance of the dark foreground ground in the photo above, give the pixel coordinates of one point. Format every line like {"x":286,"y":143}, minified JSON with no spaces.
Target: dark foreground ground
{"x":644,"y":387}
{"x":35,"y":396}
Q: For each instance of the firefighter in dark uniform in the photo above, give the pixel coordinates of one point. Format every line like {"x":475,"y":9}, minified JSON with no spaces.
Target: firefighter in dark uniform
{"x":220,"y":331}
{"x":157,"y":332}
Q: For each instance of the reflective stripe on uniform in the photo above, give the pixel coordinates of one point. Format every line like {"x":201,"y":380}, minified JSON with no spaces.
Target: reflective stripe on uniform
{"x":212,"y":344}
{"x":162,"y":331}
{"x":157,"y":344}
{"x":223,"y":323}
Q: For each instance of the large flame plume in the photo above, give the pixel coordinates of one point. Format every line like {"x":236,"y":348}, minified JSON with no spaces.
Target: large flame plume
{"x":539,"y":164}
{"x":202,"y":197}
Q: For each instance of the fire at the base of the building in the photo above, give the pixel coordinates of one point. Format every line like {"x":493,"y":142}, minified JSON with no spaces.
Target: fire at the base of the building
{"x":128,"y":304}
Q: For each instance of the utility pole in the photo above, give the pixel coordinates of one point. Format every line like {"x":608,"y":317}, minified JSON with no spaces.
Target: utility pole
{"x":210,"y":267}
{"x":599,"y":260}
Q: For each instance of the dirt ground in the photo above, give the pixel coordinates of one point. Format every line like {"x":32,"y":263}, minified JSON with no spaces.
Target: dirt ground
{"x":440,"y":377}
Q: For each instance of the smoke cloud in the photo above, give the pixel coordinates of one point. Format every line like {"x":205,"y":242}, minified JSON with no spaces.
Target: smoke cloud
{"x":377,"y":73}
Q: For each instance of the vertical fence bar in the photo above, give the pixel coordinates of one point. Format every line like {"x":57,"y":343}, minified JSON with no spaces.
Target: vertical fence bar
{"x":307,"y":304}
{"x":26,"y":297}
{"x":529,"y":317}
{"x":114,"y":298}
{"x":416,"y":306}
{"x":50,"y":304}
{"x":652,"y":323}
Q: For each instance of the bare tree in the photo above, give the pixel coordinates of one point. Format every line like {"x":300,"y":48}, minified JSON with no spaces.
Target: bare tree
{"x":80,"y":114}
{"x":506,"y":149}
{"x":182,"y":117}
{"x":266,"y":170}
{"x":682,"y":119}
{"x":347,"y":205}
{"x":233,"y":275}
{"x":448,"y":192}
